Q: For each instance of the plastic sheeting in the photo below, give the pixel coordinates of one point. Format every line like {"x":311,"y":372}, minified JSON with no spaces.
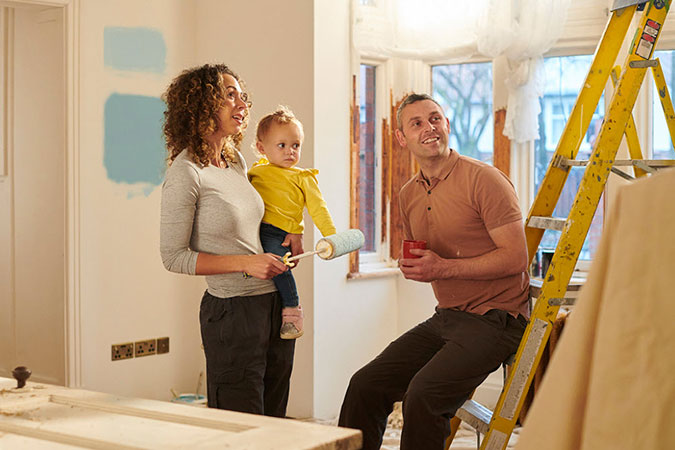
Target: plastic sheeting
{"x":454,"y":31}
{"x":611,"y":381}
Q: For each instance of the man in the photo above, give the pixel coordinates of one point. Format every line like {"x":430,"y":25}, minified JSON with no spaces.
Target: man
{"x":476,"y":260}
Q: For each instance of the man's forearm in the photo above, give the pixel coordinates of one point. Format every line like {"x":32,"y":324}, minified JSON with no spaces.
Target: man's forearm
{"x":498,"y":263}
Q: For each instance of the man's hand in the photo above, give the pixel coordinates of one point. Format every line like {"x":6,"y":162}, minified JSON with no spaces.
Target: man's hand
{"x":428,"y":267}
{"x":294,"y":241}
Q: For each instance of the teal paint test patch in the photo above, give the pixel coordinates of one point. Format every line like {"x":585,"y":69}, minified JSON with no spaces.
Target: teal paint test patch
{"x":134,"y":49}
{"x":133,"y":143}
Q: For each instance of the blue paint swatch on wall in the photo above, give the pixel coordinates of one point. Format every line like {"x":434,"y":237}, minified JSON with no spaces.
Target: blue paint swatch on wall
{"x":135,"y":49}
{"x":133,"y":143}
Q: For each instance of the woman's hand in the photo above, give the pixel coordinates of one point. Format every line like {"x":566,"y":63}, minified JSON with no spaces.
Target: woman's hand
{"x":264,"y":266}
{"x":294,"y":242}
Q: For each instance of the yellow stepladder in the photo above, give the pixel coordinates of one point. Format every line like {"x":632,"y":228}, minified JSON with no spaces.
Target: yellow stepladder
{"x":497,"y":426}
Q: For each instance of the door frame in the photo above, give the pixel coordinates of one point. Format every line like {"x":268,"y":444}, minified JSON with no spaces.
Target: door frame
{"x":72,"y":323}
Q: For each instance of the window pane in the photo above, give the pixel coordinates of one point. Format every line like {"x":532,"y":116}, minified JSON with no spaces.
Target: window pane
{"x":662,"y":143}
{"x":564,"y":77}
{"x":367,"y":157}
{"x":465,"y":93}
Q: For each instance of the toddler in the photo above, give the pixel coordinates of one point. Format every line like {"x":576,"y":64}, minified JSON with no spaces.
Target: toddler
{"x":286,"y":190}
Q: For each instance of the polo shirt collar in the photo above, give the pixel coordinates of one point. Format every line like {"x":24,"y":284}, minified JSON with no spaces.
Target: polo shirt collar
{"x":449,"y":166}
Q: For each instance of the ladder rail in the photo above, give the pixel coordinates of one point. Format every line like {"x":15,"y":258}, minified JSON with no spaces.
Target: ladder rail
{"x":634,"y":149}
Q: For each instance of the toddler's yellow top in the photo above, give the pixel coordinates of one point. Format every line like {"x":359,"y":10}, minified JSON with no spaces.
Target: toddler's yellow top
{"x":286,"y":192}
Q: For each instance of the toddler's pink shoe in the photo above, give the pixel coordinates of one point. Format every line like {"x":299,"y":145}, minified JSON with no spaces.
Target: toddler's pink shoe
{"x":291,"y":323}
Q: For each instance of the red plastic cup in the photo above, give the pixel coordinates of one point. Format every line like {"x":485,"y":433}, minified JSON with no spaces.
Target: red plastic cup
{"x":410,"y":244}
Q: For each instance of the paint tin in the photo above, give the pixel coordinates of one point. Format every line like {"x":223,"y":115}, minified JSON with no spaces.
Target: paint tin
{"x":190,"y":399}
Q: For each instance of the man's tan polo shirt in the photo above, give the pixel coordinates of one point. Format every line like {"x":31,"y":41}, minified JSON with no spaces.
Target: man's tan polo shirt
{"x":453,"y":213}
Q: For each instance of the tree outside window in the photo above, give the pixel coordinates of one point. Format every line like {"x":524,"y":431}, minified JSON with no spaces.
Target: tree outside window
{"x":465,"y":93}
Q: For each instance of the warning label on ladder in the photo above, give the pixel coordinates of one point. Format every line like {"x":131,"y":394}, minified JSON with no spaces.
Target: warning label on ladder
{"x":646,"y":44}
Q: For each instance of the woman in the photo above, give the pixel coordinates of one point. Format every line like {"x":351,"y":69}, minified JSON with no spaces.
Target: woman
{"x":209,"y":226}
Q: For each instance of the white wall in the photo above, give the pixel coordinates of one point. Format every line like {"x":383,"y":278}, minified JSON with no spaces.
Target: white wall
{"x":126,"y":294}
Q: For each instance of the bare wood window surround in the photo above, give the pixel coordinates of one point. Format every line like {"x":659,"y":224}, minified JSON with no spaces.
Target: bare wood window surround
{"x":397,"y":166}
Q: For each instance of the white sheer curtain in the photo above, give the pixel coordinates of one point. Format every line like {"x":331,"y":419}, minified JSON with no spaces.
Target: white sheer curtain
{"x":454,"y":30}
{"x":417,"y":29}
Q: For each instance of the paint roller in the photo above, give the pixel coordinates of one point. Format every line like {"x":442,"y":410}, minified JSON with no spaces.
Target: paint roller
{"x":332,"y":246}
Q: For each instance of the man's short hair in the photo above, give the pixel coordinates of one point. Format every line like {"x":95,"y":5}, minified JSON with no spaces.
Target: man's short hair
{"x":412,"y":98}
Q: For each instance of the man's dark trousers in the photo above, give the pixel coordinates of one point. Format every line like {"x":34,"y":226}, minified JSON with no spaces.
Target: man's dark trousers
{"x":433,"y":368}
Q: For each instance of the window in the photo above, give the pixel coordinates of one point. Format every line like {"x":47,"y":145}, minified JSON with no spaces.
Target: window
{"x":465,"y":93}
{"x":367,"y":156}
{"x":367,"y":113}
{"x":564,"y":77}
{"x":662,"y":143}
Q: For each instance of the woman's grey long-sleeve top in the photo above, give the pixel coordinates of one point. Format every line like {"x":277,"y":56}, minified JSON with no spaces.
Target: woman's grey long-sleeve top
{"x":211,"y":210}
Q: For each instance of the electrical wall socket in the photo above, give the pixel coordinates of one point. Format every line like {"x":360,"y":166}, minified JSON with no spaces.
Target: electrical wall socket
{"x":162,"y":345}
{"x":122,"y":351}
{"x":145,"y":348}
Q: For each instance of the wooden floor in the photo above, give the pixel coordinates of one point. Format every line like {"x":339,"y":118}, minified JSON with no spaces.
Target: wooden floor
{"x":464,"y":440}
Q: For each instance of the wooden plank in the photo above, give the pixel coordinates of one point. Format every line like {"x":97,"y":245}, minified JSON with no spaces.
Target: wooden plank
{"x":117,"y":407}
{"x":33,"y":431}
{"x":386,"y":178}
{"x":502,"y":144}
{"x":403,"y":167}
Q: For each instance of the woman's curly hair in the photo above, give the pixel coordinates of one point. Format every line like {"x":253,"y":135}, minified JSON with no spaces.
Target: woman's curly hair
{"x":193,"y":100}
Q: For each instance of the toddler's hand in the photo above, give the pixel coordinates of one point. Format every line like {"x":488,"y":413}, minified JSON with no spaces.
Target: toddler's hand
{"x":294,"y":241}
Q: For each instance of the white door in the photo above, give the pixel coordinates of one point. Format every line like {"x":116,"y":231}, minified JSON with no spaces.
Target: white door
{"x":32,"y":194}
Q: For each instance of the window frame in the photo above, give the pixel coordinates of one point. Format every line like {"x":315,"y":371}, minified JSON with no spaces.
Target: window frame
{"x":376,"y":262}
{"x":646,"y":134}
{"x":380,"y":65}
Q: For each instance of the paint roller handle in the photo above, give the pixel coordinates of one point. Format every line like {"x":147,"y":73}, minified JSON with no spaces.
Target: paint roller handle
{"x":302,"y":255}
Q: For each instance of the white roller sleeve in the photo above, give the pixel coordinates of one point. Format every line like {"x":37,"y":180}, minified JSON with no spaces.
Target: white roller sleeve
{"x":335,"y":245}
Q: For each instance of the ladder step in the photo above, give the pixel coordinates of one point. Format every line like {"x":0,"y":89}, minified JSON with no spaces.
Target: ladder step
{"x":654,"y":163}
{"x":476,"y":415}
{"x":562,"y":301}
{"x":546,"y":223}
